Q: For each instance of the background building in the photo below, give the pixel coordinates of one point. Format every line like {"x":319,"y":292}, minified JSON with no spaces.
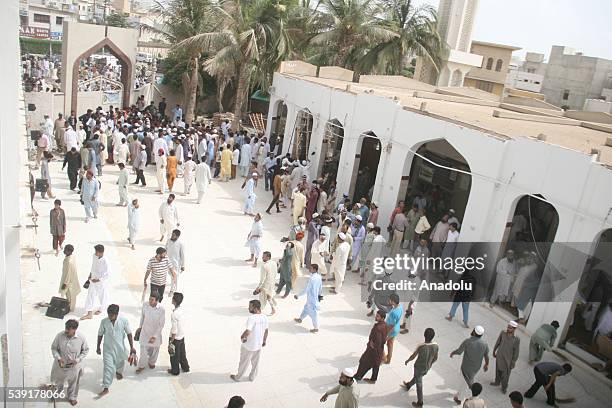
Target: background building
{"x":455,"y":25}
{"x":491,"y":75}
{"x":571,"y":78}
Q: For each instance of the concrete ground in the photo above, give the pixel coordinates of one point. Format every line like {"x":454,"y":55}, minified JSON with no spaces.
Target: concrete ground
{"x":296,"y":367}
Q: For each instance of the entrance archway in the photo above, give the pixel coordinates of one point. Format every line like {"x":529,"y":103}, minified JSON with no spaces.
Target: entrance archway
{"x":429,"y":177}
{"x":279,"y":122}
{"x":530,"y":233}
{"x":366,"y":166}
{"x":126,"y":70}
{"x":301,"y":134}
{"x":591,"y":307}
{"x":330,"y":152}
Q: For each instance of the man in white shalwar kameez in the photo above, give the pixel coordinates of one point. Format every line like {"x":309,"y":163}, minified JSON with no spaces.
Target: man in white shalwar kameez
{"x":98,"y":291}
{"x":338,"y":265}
{"x":152,"y":320}
{"x":245,"y":159}
{"x":202,"y":178}
{"x":188,"y":174}
{"x":168,"y":217}
{"x":176,"y":253}
{"x":133,"y":221}
{"x":254,"y":239}
{"x":250,"y":196}
{"x":318,"y":252}
{"x":122,"y":185}
{"x":505,"y":273}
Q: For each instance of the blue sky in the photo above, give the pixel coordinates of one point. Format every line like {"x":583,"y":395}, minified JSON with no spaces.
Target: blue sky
{"x":536,"y":25}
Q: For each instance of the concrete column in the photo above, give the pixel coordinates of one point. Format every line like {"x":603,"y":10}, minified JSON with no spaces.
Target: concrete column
{"x":289,"y":128}
{"x":316,"y":145}
{"x":12,"y":142}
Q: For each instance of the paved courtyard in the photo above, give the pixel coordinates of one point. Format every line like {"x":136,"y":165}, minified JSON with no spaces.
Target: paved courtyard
{"x":296,"y":367}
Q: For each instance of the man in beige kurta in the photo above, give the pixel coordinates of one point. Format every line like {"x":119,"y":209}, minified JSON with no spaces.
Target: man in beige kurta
{"x":297,"y":262}
{"x":299,"y":204}
{"x":267,"y":279}
{"x":69,"y":284}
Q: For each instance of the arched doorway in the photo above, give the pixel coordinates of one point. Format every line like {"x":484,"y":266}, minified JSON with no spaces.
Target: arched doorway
{"x":588,"y":331}
{"x":330,"y":152}
{"x":366,"y":166}
{"x":456,"y":78}
{"x":113,"y":73}
{"x":530,"y":234}
{"x":277,"y":133}
{"x":301,"y":134}
{"x":430,"y":178}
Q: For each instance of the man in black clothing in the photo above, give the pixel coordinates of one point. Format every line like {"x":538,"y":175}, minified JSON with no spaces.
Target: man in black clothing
{"x":162,"y":108}
{"x":546,"y":374}
{"x":73,"y":160}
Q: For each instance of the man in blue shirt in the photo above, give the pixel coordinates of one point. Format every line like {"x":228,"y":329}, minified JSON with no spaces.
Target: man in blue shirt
{"x":394,"y":317}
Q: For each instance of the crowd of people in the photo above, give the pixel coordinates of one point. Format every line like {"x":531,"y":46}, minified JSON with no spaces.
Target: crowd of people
{"x":328,"y":236}
{"x":40,"y":73}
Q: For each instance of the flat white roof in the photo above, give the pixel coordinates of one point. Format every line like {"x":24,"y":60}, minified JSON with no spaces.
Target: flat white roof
{"x":475,"y":112}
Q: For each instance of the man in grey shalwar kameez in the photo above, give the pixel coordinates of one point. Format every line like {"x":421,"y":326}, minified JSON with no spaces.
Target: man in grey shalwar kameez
{"x":474,"y":350}
{"x":68,"y":349}
{"x":506,"y":352}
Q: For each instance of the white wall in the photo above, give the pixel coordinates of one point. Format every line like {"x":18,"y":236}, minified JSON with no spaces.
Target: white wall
{"x":503,"y":170}
{"x":597,"y":105}
{"x":11,"y":142}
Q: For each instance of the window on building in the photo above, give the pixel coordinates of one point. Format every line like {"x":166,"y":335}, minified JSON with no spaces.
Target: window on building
{"x":59,"y":20}
{"x":531,"y":70}
{"x":498,"y":65}
{"x":566,"y":95}
{"x":23,"y":20}
{"x":536,"y":82}
{"x":42,"y":18}
{"x":484,"y":86}
{"x":489,"y":63}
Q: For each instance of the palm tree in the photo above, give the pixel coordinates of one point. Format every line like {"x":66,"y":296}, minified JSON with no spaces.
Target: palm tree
{"x":250,"y":41}
{"x":184,"y":19}
{"x":417,"y":34}
{"x":352,"y":29}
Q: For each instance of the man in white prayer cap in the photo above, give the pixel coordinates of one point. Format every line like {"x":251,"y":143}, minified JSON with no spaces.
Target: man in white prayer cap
{"x":474,"y":350}
{"x":505,"y":352}
{"x":348,"y":393}
{"x":339,"y":260}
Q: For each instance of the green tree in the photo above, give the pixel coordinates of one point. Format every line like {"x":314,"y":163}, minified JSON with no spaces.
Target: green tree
{"x":184,"y":19}
{"x":349,"y":29}
{"x":416,"y":34}
{"x":117,"y":20}
{"x":248,"y":42}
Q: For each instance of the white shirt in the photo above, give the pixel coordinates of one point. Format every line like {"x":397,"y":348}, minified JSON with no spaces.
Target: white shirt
{"x":235,"y":156}
{"x":176,"y":254}
{"x":99,"y":269}
{"x":177,"y":324}
{"x":71,"y":139}
{"x":256,"y":324}
{"x":452,"y":236}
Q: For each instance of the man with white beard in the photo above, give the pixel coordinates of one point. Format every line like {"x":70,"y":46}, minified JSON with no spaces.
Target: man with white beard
{"x":168,"y":217}
{"x":98,"y":284}
{"x":188,"y":174}
{"x":203,"y":178}
{"x":505,"y":273}
{"x":152,"y":320}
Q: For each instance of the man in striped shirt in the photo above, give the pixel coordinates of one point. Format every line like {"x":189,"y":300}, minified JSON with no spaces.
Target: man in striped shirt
{"x":159,"y":267}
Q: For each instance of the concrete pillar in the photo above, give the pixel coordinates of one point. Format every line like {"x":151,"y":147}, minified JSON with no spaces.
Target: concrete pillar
{"x":12,"y":143}
{"x":316,"y":145}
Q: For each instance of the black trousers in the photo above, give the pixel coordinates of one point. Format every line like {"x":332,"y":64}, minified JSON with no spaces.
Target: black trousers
{"x":179,"y":359}
{"x":160,"y":291}
{"x":269,"y":177}
{"x":274,"y":201}
{"x":140,"y":177}
{"x":72,"y":176}
{"x":540,"y":381}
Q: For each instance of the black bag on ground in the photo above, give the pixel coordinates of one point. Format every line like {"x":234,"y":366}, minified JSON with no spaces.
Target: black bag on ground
{"x":58,"y":307}
{"x":41,"y":185}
